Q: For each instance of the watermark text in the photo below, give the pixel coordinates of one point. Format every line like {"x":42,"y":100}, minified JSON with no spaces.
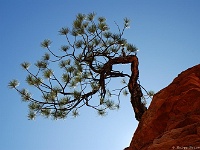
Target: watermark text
{"x":186,"y":147}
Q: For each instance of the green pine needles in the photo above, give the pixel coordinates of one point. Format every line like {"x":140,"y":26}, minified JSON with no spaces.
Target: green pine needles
{"x":86,"y":65}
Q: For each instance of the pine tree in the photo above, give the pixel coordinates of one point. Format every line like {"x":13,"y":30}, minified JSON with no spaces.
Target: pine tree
{"x":87,"y":63}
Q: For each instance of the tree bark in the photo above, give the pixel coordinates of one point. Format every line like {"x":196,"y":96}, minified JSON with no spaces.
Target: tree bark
{"x":133,"y":86}
{"x":135,"y":90}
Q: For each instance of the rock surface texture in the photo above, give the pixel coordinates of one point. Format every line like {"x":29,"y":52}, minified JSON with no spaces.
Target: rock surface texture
{"x":172,"y":120}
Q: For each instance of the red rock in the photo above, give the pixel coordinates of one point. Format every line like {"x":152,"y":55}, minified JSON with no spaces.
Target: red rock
{"x":172,"y":120}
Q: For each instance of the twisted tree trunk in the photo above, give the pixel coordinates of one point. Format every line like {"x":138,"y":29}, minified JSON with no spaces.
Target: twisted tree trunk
{"x":133,"y":86}
{"x":135,"y":90}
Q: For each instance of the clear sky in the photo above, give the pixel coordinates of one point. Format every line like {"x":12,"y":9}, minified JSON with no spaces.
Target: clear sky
{"x":167,"y":33}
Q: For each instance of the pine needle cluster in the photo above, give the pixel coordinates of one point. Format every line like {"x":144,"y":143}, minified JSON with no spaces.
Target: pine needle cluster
{"x":86,"y":65}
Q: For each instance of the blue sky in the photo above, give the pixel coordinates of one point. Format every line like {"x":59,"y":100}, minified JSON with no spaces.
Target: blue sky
{"x":166,"y":32}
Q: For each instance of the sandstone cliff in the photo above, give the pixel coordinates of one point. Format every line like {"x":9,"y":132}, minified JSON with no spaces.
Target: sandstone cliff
{"x":173,"y":118}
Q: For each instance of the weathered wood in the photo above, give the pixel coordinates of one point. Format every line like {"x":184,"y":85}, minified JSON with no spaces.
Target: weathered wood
{"x":133,"y":86}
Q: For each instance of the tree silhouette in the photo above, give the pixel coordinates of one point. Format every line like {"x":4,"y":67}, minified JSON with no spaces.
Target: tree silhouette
{"x":87,"y":62}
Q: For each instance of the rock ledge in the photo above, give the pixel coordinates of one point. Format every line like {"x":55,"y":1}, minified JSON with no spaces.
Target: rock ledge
{"x":173,"y":118}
